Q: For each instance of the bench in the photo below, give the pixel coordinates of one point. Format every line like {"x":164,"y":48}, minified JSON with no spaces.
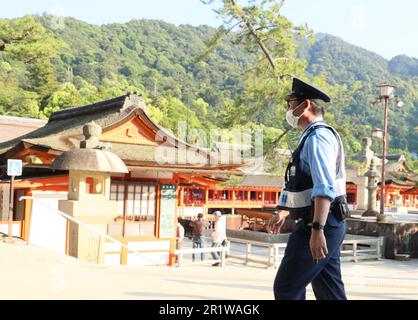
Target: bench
{"x":273,"y":252}
{"x":354,"y":248}
{"x":361,"y":248}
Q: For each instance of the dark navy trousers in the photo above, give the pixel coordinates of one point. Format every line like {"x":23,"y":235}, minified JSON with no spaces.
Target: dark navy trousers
{"x":298,"y":269}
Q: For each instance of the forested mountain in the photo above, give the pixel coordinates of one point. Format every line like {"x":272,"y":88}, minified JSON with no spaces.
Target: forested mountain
{"x":80,"y":63}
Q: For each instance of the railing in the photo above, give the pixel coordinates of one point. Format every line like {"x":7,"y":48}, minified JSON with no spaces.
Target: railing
{"x":80,"y":223}
{"x":223,"y":250}
{"x":362,"y":248}
{"x":195,"y":203}
{"x":235,"y":203}
{"x":274,"y":252}
{"x":270,"y":202}
{"x":228,"y":202}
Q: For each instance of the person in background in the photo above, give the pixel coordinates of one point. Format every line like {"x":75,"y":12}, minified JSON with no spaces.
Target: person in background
{"x":218,"y":235}
{"x":198,"y":228}
{"x":179,"y":237}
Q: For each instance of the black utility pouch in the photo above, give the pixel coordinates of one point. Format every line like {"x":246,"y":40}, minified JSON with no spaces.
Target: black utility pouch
{"x":339,"y":209}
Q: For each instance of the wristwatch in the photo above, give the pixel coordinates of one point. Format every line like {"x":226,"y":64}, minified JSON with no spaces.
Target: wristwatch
{"x":317,"y":226}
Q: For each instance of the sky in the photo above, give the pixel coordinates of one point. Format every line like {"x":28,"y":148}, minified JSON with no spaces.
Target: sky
{"x":386,"y":27}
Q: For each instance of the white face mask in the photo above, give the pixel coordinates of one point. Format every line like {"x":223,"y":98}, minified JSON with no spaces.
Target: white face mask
{"x":293,"y":120}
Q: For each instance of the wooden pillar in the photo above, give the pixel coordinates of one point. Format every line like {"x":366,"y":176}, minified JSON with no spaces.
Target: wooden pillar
{"x":158,"y":211}
{"x":123,"y":253}
{"x":181,"y":196}
{"x":182,"y":203}
{"x":277,"y":198}
{"x":206,"y":205}
{"x":355,"y":197}
{"x":27,"y":214}
{"x":172,"y":256}
{"x":262,"y":197}
{"x":247,"y":253}
{"x":125,"y":208}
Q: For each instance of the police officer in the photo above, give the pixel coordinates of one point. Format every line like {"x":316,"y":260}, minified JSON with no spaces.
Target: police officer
{"x":314,"y":195}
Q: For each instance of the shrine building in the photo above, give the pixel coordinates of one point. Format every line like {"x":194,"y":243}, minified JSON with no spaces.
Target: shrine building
{"x":160,"y":167}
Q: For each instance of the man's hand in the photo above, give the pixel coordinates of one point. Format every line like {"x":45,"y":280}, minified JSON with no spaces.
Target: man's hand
{"x":318,"y":245}
{"x":274,"y":224}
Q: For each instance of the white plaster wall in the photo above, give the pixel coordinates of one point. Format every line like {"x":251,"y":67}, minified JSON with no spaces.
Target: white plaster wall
{"x":148,"y":258}
{"x":112,"y":259}
{"x":48,"y":228}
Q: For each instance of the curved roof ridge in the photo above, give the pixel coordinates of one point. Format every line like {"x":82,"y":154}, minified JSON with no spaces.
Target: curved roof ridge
{"x":92,"y":108}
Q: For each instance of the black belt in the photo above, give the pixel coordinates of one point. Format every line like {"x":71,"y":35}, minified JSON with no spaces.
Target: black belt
{"x":339,"y":209}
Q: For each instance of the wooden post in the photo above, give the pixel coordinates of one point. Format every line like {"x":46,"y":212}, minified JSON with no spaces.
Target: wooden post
{"x":378,"y":244}
{"x":125,"y":208}
{"x":248,"y":252}
{"x":276,"y":255}
{"x":28,"y":207}
{"x":271,"y":258}
{"x":206,"y":196}
{"x":30,"y":224}
{"x":124,"y":253}
{"x":179,"y":258}
{"x":11,"y":205}
{"x":223,"y":256}
{"x":355,"y":251}
{"x":101,"y":239}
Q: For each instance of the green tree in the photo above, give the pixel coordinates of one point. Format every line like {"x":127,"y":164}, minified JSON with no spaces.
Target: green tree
{"x":66,"y":96}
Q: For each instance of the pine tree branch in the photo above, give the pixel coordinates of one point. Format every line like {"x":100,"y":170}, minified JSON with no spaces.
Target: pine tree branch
{"x":253,"y":32}
{"x":8,"y":41}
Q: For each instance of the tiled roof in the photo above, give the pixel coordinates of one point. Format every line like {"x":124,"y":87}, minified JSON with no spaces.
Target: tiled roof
{"x":64,"y":131}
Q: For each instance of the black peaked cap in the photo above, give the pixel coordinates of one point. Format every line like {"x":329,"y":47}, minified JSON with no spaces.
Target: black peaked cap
{"x":303,"y":91}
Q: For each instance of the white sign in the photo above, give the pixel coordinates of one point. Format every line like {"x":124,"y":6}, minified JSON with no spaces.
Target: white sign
{"x":14,"y":167}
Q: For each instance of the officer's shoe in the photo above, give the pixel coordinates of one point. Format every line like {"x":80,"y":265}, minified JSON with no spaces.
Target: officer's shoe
{"x":217,"y":264}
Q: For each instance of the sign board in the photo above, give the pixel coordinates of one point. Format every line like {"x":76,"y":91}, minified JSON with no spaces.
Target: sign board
{"x":14,"y":167}
{"x":168,"y":223}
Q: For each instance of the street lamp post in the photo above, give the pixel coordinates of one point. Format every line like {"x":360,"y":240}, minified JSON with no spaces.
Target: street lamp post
{"x":385,"y":140}
{"x":386,"y":93}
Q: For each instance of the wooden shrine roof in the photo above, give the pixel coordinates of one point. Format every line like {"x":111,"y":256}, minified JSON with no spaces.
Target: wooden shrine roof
{"x":125,"y":124}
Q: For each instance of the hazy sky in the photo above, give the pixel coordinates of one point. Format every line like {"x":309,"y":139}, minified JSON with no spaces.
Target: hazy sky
{"x":386,"y":27}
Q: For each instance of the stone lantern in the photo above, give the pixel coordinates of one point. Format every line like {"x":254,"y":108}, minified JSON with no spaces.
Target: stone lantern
{"x":371,"y":175}
{"x":88,"y":201}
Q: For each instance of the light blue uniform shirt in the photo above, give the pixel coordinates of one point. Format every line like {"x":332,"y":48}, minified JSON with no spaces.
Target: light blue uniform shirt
{"x":319,"y":160}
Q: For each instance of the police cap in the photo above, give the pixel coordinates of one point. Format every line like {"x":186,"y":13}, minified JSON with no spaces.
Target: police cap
{"x":303,"y":91}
